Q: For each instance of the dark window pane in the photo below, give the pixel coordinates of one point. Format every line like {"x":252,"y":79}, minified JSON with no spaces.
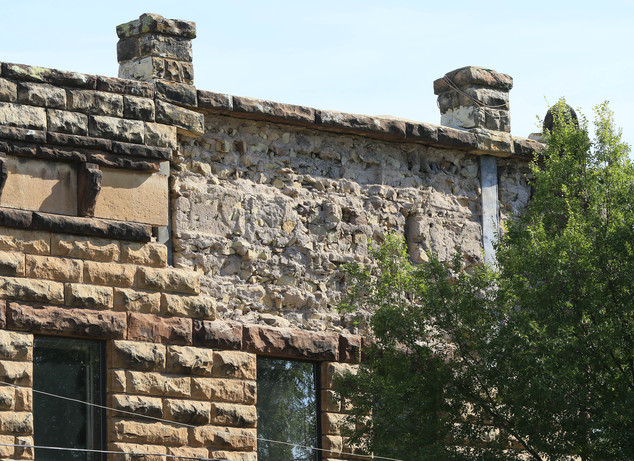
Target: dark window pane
{"x":287,"y":409}
{"x":70,"y":368}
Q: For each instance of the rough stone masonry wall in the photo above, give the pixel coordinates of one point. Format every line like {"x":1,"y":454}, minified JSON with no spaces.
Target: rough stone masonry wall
{"x":269,"y":212}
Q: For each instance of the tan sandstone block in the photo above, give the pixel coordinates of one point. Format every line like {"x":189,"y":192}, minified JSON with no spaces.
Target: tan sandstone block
{"x":233,"y":455}
{"x":152,"y":383}
{"x":7,"y":398}
{"x":135,"y":355}
{"x":188,"y":452}
{"x":52,"y":268}
{"x":232,"y":364}
{"x":152,"y":452}
{"x":144,"y":254}
{"x":28,"y":241}
{"x":6,"y":451}
{"x":12,"y":264}
{"x":329,"y":401}
{"x":200,"y":307}
{"x":228,"y":438}
{"x":133,"y":196}
{"x":90,"y":296}
{"x":330,"y":370}
{"x":189,"y":360}
{"x":23,"y":400}
{"x":16,"y":345}
{"x":333,"y":444}
{"x":25,"y":450}
{"x":19,"y":373}
{"x":231,"y":414}
{"x":333,"y":423}
{"x":93,"y":248}
{"x":116,"y":380}
{"x":169,"y":279}
{"x":39,"y":291}
{"x":137,"y":301}
{"x":113,"y":274}
{"x":16,"y":422}
{"x":160,"y":135}
{"x":220,"y":390}
{"x":140,"y":405}
{"x":148,"y":432}
{"x":188,"y":411}
{"x":40,"y":185}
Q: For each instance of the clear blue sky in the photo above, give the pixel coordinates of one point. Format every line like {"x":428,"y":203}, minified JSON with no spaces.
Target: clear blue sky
{"x":369,"y":57}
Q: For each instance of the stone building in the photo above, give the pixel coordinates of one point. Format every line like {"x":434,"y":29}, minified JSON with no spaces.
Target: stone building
{"x":162,"y":247}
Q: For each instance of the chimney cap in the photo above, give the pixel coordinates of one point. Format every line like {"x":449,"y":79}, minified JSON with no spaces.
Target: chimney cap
{"x":474,"y":75}
{"x":150,"y":23}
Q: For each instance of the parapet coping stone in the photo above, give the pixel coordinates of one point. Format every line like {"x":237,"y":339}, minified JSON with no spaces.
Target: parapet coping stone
{"x":389,"y":128}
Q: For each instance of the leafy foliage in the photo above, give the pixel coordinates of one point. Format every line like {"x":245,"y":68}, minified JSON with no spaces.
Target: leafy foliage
{"x":537,"y":353}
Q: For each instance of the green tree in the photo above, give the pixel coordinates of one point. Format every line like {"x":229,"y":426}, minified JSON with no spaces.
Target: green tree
{"x":537,"y":353}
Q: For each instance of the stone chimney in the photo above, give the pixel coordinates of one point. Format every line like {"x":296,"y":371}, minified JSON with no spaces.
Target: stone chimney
{"x":155,"y":48}
{"x":474,"y":97}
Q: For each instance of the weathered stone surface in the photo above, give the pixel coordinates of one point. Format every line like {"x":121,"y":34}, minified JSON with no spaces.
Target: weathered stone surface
{"x":189,"y":360}
{"x":383,"y":126}
{"x":152,"y":328}
{"x":90,"y":227}
{"x":157,"y":45}
{"x":116,"y":128}
{"x":146,"y":406}
{"x":150,"y":452}
{"x":136,"y":355}
{"x":154,"y":23}
{"x":22,"y":134}
{"x":19,"y":373}
{"x":149,"y":432}
{"x":350,"y":348}
{"x":52,"y":268}
{"x":7,"y":400}
{"x":151,"y":383}
{"x":188,"y":122}
{"x":333,"y":423}
{"x":84,"y":247}
{"x":63,"y":121}
{"x":138,"y":150}
{"x":116,"y":381}
{"x":24,"y":400}
{"x":138,"y":108}
{"x":12,"y":264}
{"x":168,"y":279}
{"x":32,"y":290}
{"x":123,"y":86}
{"x":89,"y":178}
{"x":145,"y":254}
{"x":16,"y":345}
{"x":44,"y":95}
{"x":130,"y":300}
{"x":235,"y":455}
{"x":64,"y":321}
{"x":95,"y":102}
{"x":22,"y":116}
{"x":160,"y":135}
{"x":218,"y":334}
{"x":230,"y":438}
{"x":215,"y":101}
{"x":188,"y":411}
{"x":222,"y":390}
{"x":3,"y":314}
{"x":91,"y":296}
{"x":261,"y":108}
{"x":16,"y":423}
{"x":330,"y":402}
{"x":113,"y":274}
{"x":230,"y":414}
{"x":44,"y":75}
{"x":231,"y":364}
{"x":75,"y":140}
{"x":188,"y":452}
{"x":291,"y":343}
{"x":177,"y":93}
{"x":202,"y":307}
{"x":330,"y":370}
{"x":152,"y":68}
{"x":8,"y":90}
{"x":27,"y":241}
{"x":332,"y":444}
{"x":473,"y":75}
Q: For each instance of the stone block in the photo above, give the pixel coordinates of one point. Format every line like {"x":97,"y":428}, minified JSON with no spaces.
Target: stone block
{"x":63,"y":121}
{"x":17,"y":423}
{"x":135,"y":355}
{"x":115,"y":128}
{"x":258,"y":107}
{"x":113,"y":274}
{"x":232,"y":364}
{"x":155,"y":23}
{"x":188,"y":122}
{"x":27,"y":241}
{"x":32,"y":290}
{"x":332,"y":444}
{"x":7,"y":398}
{"x":24,"y":400}
{"x":152,"y":328}
{"x":138,"y":108}
{"x":160,"y":135}
{"x":19,"y":373}
{"x":202,"y":307}
{"x":332,"y":370}
{"x":188,"y":411}
{"x":95,"y":102}
{"x":330,"y":401}
{"x":188,"y":452}
{"x":90,"y":296}
{"x":8,"y":91}
{"x":116,"y":381}
{"x":41,"y":94}
{"x":215,"y":101}
{"x":25,"y":449}
{"x":218,"y":334}
{"x":21,"y":116}
{"x":151,"y":68}
{"x":228,"y":438}
{"x":231,"y":414}
{"x":333,"y":423}
{"x":34,"y":184}
{"x":158,"y":384}
{"x":52,"y":268}
{"x":74,"y":246}
{"x":12,"y":264}
{"x":44,"y":75}
{"x":189,"y":360}
{"x":16,"y":345}
{"x":350,"y":348}
{"x":177,"y":93}
{"x":67,"y":322}
{"x":130,"y":300}
{"x":156,"y":45}
{"x":94,"y":227}
{"x":145,"y":254}
{"x":150,"y":452}
{"x":146,"y":406}
{"x":168,"y":279}
{"x":234,"y":455}
{"x":221,"y":390}
{"x":133,"y":196}
{"x":6,"y":446}
{"x":148,"y":432}
{"x":123,"y":86}
{"x":289,"y":342}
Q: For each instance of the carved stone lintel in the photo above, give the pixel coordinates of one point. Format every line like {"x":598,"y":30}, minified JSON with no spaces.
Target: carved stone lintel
{"x":88,"y":188}
{"x":4,"y":171}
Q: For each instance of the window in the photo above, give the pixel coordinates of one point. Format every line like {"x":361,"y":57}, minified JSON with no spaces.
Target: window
{"x":288,"y":409}
{"x":74,"y":369}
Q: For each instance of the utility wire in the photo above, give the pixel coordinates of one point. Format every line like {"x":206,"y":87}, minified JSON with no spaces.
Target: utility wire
{"x":154,"y":418}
